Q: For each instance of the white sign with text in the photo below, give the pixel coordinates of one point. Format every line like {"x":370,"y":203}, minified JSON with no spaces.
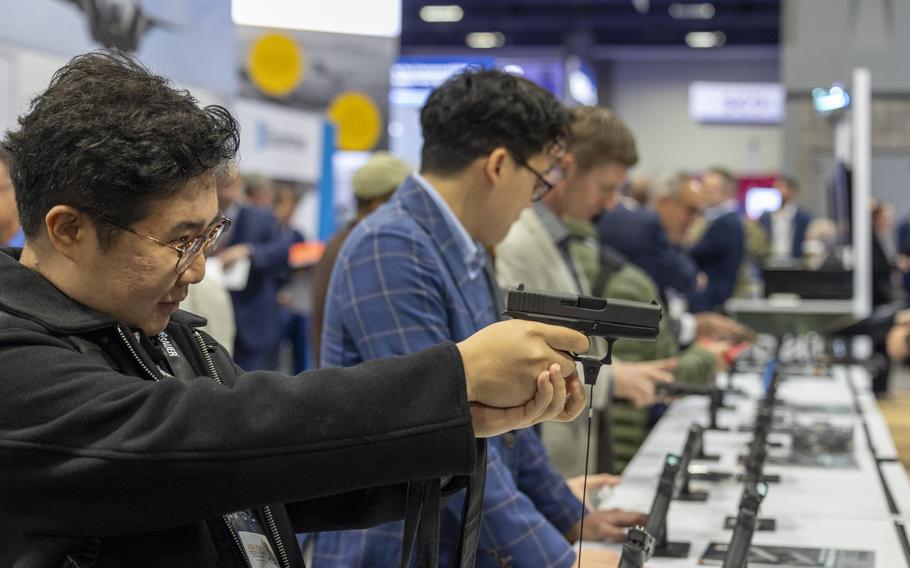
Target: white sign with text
{"x":737,"y":103}
{"x":279,"y":142}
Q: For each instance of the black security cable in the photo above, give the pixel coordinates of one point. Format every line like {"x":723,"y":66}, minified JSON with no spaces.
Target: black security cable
{"x":591,"y":369}
{"x":584,"y":485}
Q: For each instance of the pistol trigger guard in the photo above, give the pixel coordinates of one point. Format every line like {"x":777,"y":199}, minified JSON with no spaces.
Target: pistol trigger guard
{"x":608,"y":358}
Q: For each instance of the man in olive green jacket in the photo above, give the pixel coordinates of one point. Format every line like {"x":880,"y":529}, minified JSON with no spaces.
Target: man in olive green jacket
{"x":611,"y":276}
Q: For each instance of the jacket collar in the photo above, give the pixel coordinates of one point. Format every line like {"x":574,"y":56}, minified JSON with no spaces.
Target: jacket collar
{"x":555,"y":226}
{"x":421,"y":207}
{"x":27,"y":294}
{"x":470,"y":277}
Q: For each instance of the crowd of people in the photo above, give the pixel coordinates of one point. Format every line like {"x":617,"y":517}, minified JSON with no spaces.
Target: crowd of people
{"x":135,"y":433}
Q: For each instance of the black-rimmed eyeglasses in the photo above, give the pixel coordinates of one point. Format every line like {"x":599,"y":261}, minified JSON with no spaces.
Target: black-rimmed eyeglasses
{"x":545,"y":181}
{"x":205,"y":242}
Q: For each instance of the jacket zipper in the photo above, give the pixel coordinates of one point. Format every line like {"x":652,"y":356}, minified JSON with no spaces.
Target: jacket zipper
{"x":236,"y":538}
{"x":135,"y":355}
{"x":269,"y":518}
{"x":205,"y":355}
{"x":273,"y":528}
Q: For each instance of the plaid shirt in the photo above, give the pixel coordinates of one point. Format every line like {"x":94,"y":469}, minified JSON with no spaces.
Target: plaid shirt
{"x":402,"y":283}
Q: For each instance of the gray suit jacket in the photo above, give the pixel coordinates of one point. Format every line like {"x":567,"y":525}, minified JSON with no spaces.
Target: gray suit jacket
{"x":529,"y":256}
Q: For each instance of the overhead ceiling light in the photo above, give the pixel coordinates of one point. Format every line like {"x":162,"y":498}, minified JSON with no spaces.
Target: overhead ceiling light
{"x":698,"y":11}
{"x":485,"y":40}
{"x":706,"y":39}
{"x":437,"y":14}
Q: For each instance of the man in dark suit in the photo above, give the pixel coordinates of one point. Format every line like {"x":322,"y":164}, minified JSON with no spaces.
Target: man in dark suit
{"x":720,"y":251}
{"x":786,"y":227}
{"x":642,"y":235}
{"x":255,"y":235}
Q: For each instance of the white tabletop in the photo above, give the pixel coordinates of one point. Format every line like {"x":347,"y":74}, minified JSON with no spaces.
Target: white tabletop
{"x":844,"y":508}
{"x":786,"y":305}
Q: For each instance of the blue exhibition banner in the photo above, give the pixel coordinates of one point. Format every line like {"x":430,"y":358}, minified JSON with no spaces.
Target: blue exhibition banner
{"x":326,"y":185}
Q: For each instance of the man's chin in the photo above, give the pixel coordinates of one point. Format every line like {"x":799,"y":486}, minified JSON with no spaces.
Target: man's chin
{"x":153,"y":328}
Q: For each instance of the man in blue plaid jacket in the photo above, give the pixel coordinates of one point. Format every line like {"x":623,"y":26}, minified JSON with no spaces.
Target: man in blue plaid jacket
{"x":416,"y":273}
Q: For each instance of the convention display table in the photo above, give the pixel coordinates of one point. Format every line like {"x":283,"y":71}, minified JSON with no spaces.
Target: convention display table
{"x":861,"y":505}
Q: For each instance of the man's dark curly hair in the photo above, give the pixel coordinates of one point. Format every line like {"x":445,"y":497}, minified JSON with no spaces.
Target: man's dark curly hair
{"x":108,"y":137}
{"x":475,"y":112}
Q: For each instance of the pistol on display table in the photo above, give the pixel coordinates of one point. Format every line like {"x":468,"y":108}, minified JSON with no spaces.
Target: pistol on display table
{"x":594,"y":317}
{"x":637,"y":549}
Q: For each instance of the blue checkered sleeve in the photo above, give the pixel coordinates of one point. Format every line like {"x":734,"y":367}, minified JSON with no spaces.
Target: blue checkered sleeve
{"x":384,"y":299}
{"x":538,"y":479}
{"x":514,"y":532}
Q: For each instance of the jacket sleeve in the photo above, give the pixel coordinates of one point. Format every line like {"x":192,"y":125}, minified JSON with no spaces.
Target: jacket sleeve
{"x":696,"y":365}
{"x":710,"y":245}
{"x":386,"y":298}
{"x":674,"y":268}
{"x":108,"y":453}
{"x":514,"y":532}
{"x":547,"y":488}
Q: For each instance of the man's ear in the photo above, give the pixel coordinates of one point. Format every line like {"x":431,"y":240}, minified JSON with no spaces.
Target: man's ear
{"x":495,"y":162}
{"x":68,"y":230}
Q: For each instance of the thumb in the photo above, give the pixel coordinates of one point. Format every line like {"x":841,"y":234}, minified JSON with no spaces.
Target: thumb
{"x":562,"y":338}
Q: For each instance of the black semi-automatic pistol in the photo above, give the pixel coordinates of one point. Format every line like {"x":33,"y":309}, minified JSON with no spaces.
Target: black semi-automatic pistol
{"x":594,"y":317}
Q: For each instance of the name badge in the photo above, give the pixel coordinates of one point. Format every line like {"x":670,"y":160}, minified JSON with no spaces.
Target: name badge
{"x":255,"y":545}
{"x":258,"y":550}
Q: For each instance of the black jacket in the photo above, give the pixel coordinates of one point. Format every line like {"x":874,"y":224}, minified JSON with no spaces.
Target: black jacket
{"x":101,"y":463}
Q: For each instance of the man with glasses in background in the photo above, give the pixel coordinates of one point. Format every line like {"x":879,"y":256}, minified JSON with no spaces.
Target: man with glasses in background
{"x":416,"y":272}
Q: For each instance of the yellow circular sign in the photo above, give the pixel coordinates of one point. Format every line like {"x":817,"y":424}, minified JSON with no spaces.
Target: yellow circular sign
{"x":275,"y":64}
{"x":357,"y":119}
